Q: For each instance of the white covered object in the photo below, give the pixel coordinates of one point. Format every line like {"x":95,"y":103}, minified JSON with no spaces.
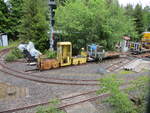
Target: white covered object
{"x":30,"y":48}
{"x":22,"y":47}
{"x":35,"y":53}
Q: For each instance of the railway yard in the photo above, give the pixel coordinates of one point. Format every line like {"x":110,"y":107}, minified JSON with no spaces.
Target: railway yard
{"x":74,"y":56}
{"x":75,"y":86}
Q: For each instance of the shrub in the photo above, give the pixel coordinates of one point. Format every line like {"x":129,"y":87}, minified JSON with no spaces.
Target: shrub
{"x":10,"y":57}
{"x":118,"y":100}
{"x":50,"y":109}
{"x":50,"y":54}
{"x":13,"y":55}
{"x":17,"y":53}
{"x":140,"y":90}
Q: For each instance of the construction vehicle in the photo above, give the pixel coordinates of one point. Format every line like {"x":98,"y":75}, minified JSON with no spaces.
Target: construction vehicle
{"x":64,"y":58}
{"x":95,"y":52}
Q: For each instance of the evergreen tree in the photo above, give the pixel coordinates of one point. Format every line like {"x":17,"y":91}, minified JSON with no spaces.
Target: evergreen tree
{"x":35,"y":25}
{"x":3,"y":17}
{"x":129,"y":10}
{"x":15,"y":7}
{"x":146,"y":12}
{"x":138,"y":15}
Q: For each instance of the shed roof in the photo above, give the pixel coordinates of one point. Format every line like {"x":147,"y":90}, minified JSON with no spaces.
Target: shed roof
{"x":126,"y":38}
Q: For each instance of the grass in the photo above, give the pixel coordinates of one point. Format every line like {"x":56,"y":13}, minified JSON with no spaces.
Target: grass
{"x":124,"y":72}
{"x":11,"y":44}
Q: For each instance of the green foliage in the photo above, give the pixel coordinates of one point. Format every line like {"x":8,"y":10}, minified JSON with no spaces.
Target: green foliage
{"x":124,"y":72}
{"x":13,"y":55}
{"x":93,"y":21}
{"x":118,"y":99}
{"x":15,"y":15}
{"x":138,"y":15}
{"x":17,"y":53}
{"x":11,"y":44}
{"x":3,"y":17}
{"x":35,"y":23}
{"x":146,"y":13}
{"x":50,"y":54}
{"x":50,"y":109}
{"x":10,"y":57}
{"x":141,"y":17}
{"x":140,"y":88}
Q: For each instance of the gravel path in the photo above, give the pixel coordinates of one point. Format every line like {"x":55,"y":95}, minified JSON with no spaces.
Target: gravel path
{"x":38,"y":92}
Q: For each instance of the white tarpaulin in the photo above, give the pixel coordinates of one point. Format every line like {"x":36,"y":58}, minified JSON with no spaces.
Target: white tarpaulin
{"x":30,"y":48}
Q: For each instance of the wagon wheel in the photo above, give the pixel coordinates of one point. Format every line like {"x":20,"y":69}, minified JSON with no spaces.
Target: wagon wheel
{"x":55,"y":64}
{"x":100,"y":59}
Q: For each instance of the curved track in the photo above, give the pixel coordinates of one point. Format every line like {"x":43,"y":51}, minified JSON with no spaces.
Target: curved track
{"x":35,"y":78}
{"x":49,"y":80}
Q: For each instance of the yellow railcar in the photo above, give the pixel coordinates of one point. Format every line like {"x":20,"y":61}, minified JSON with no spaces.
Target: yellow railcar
{"x":64,"y":58}
{"x":146,"y":40}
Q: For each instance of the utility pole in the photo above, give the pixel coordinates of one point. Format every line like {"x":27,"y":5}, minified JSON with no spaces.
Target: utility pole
{"x":52,"y":5}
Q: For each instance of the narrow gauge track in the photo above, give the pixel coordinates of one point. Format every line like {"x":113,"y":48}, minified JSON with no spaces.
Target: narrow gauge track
{"x":61,"y":99}
{"x":33,"y":76}
{"x":60,"y":107}
{"x":112,"y":68}
{"x":104,"y":95}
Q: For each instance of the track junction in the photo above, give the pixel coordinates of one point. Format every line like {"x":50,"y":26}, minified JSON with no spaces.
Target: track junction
{"x":115,"y":65}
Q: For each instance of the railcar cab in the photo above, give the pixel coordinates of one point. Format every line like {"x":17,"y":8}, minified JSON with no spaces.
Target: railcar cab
{"x":64,"y":53}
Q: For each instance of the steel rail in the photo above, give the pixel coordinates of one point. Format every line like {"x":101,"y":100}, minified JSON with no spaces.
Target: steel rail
{"x":61,"y":107}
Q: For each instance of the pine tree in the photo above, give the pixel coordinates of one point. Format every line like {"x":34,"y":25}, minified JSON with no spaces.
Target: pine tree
{"x":129,"y":10}
{"x":3,"y":17}
{"x":138,"y":15}
{"x":15,"y":7}
{"x":146,"y":12}
{"x":35,"y":24}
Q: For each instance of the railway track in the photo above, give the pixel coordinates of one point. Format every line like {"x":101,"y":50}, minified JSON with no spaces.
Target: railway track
{"x":63,"y":106}
{"x":70,"y":104}
{"x":50,"y":80}
{"x":35,"y":78}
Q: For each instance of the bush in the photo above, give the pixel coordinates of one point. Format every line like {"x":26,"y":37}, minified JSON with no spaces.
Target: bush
{"x":119,"y":100}
{"x":17,"y":53}
{"x":50,"y":54}
{"x":10,"y":57}
{"x":50,"y":109}
{"x":13,"y":55}
{"x":140,"y":90}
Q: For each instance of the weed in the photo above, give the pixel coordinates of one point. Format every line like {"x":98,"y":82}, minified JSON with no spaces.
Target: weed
{"x":51,"y":109}
{"x":50,"y":54}
{"x":118,"y":99}
{"x":13,"y":55}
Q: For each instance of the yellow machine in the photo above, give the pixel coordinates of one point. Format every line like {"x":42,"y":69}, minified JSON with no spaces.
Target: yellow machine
{"x":64,"y":53}
{"x":64,"y":58}
{"x":146,"y":40}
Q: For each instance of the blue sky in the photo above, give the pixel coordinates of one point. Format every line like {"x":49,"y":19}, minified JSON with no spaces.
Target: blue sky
{"x":134,"y":2}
